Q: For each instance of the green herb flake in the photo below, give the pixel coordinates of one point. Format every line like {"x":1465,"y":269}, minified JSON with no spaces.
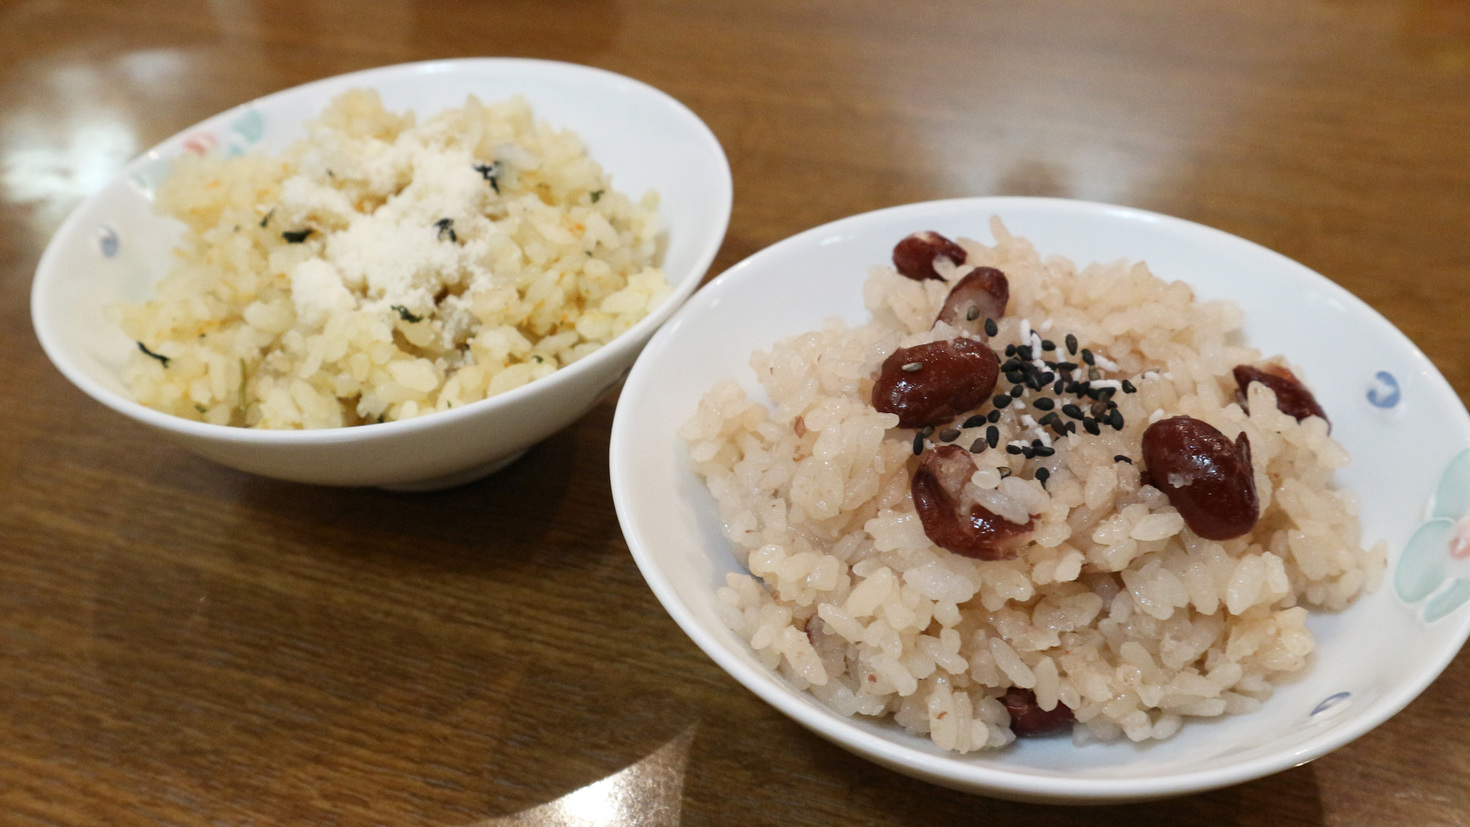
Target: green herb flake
{"x":162,"y":360}
{"x":490,"y":172}
{"x":406,"y":315}
{"x":244,"y":375}
{"x":296,"y":236}
{"x":596,"y":195}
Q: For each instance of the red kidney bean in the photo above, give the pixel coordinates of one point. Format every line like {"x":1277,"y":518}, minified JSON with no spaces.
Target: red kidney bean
{"x":914,"y":256}
{"x":978,"y":533}
{"x":1206,"y":477}
{"x":1028,"y":718}
{"x":982,"y":294}
{"x":1292,"y":397}
{"x":933,"y":383}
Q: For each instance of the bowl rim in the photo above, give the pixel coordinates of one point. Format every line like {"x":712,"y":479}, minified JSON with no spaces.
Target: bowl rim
{"x":949,"y":769}
{"x":47,"y":274}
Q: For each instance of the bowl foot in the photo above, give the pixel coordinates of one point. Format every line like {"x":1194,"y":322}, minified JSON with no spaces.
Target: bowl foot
{"x":456,"y":479}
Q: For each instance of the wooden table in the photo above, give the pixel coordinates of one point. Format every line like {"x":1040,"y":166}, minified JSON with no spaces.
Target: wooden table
{"x":181,"y":643}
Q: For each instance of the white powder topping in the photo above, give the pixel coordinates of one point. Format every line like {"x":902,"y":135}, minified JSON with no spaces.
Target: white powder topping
{"x":317,"y":292}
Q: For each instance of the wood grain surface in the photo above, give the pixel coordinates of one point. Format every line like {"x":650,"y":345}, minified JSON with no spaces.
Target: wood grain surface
{"x":184,"y":644}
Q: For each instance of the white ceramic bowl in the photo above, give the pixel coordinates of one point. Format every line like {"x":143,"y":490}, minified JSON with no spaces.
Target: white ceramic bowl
{"x":1386,"y":401}
{"x":113,"y":248}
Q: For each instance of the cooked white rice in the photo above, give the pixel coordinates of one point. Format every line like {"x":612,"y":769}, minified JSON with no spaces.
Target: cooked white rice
{"x":1113,"y":608}
{"x":445,"y":262}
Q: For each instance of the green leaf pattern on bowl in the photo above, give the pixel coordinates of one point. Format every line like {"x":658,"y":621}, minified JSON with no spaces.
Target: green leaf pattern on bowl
{"x":1435,"y":564}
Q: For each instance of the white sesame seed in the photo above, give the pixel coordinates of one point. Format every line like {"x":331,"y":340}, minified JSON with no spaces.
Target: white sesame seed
{"x":1104,"y":362}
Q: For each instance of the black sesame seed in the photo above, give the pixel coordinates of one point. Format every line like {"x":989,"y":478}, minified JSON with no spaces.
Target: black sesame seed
{"x":1093,"y":374}
{"x":1045,"y":451}
{"x":992,"y":436}
{"x":1072,"y":411}
{"x":1060,"y":386}
{"x":972,"y":314}
{"x":1027,"y":452}
{"x":1024,"y":352}
{"x":927,"y":432}
{"x":1073,"y":387}
{"x":1045,"y":403}
{"x":1010,"y":364}
{"x":1014,"y":376}
{"x":1116,"y":419}
{"x":990,"y":327}
{"x":1099,"y":409}
{"x":1088,"y":357}
{"x":1071,"y":427}
{"x":1048,"y":344}
{"x":1013,"y":449}
{"x":1010,"y":350}
{"x":1017,"y":390}
{"x":1106,"y":394}
{"x":1128,"y":387}
{"x":1052,"y":419}
{"x":1091,"y":427}
{"x":912,"y":367}
{"x":949,"y":434}
{"x":1121,"y":458}
{"x":1071,"y":344}
{"x":977,"y":446}
{"x":993,"y":417}
{"x":1066,"y":366}
{"x":974,"y":422}
{"x":1041,"y":476}
{"x":1034,"y":381}
{"x":918,"y":444}
{"x":1001,"y":400}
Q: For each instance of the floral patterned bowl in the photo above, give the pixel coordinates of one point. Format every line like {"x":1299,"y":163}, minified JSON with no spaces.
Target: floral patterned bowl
{"x":1386,"y":400}
{"x":113,"y":248}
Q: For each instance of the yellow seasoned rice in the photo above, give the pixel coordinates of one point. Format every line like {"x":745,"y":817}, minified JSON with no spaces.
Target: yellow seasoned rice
{"x":382,"y":269}
{"x":1114,"y":607}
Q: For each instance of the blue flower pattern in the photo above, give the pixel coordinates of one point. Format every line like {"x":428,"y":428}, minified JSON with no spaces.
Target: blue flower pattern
{"x":1385,"y":393}
{"x":107,"y":241}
